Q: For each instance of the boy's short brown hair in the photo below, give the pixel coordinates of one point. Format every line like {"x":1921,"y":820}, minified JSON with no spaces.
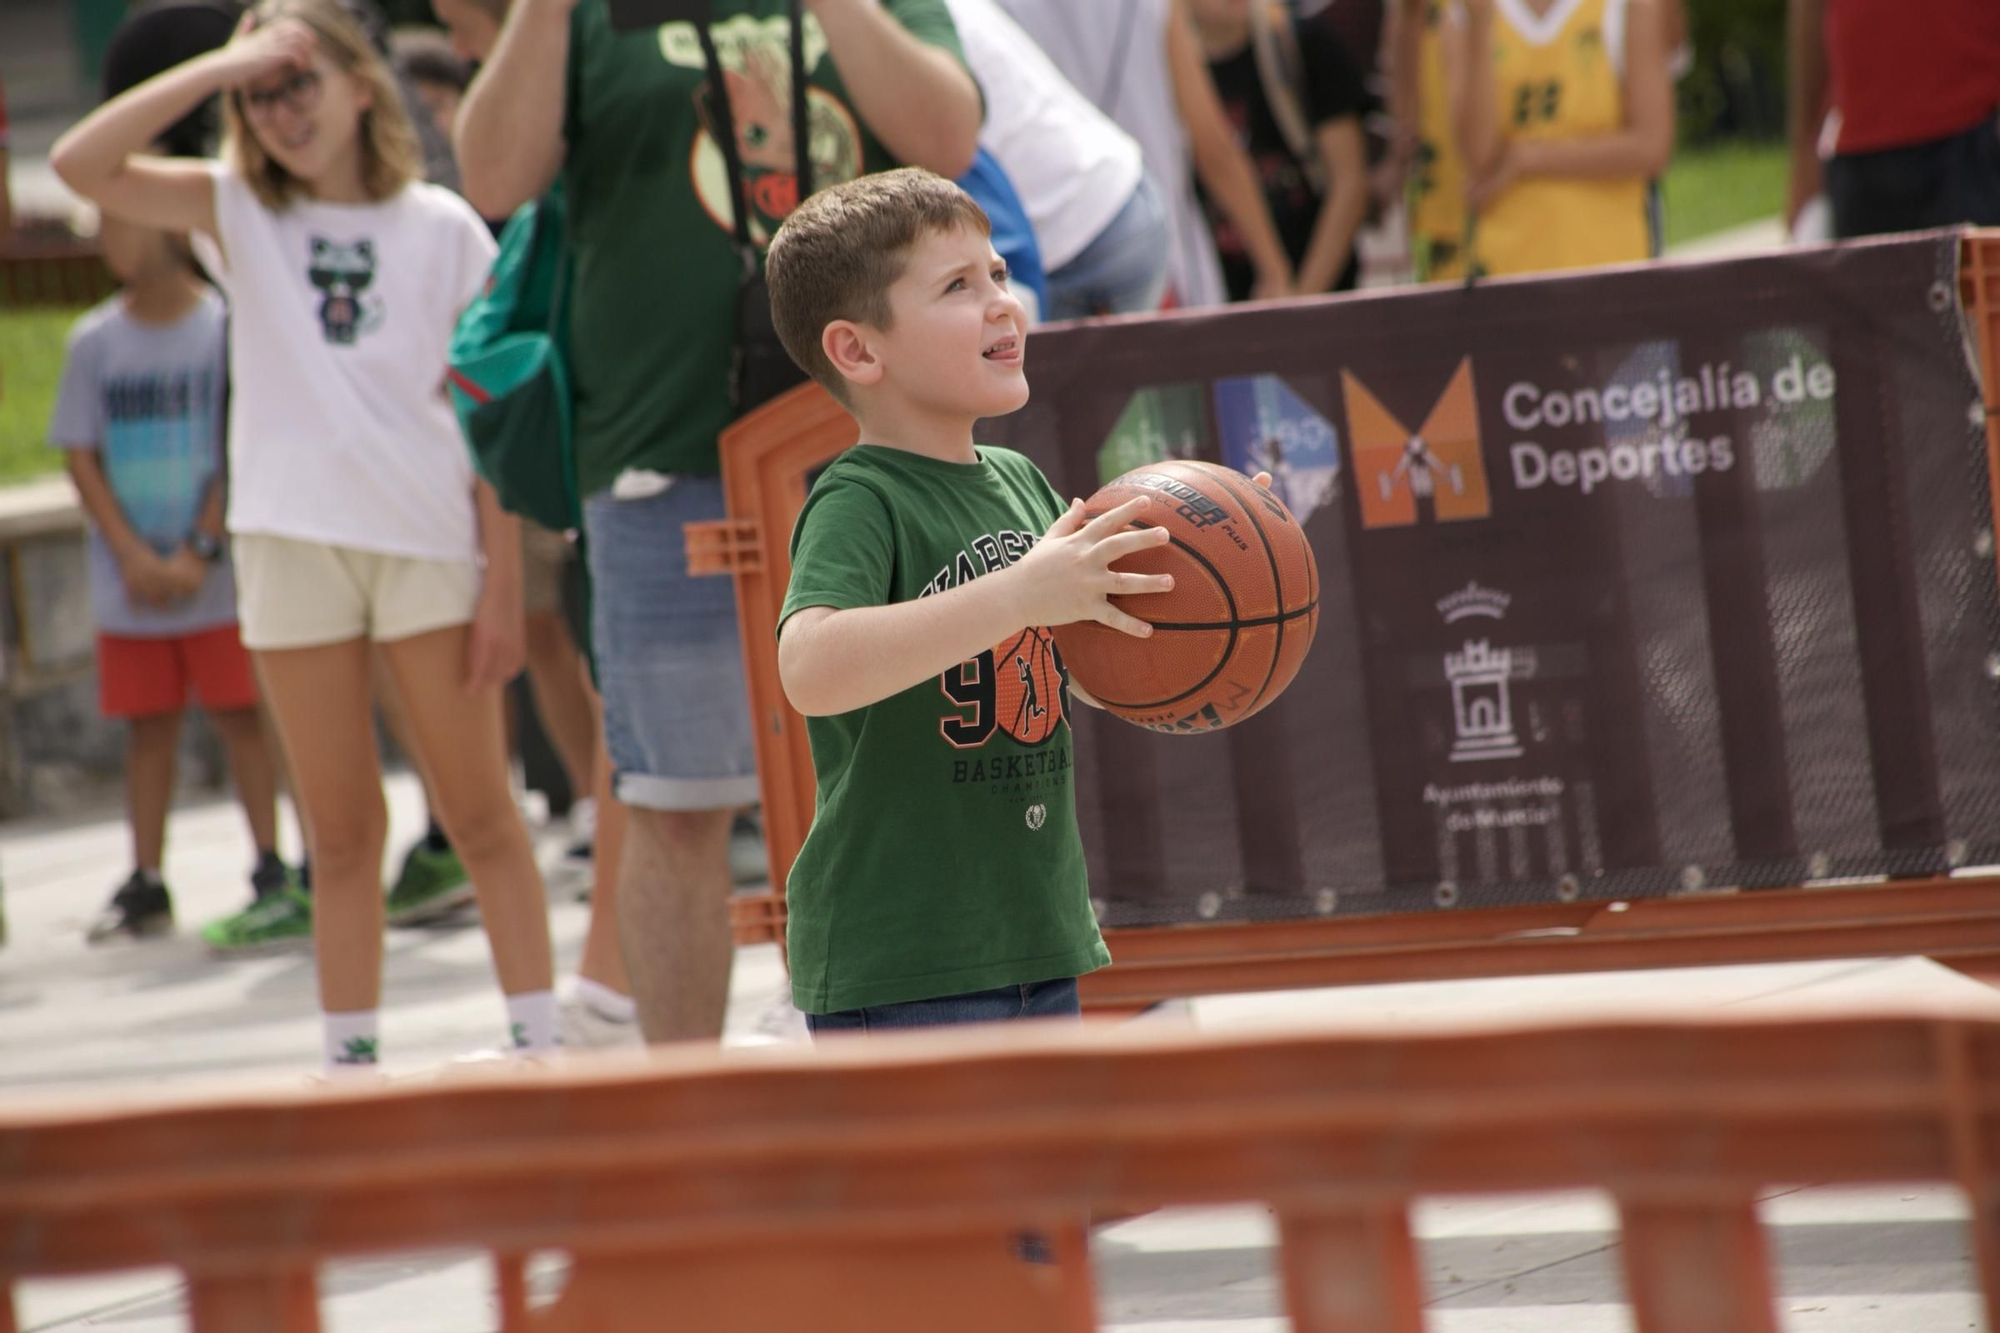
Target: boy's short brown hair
{"x":841,"y":250}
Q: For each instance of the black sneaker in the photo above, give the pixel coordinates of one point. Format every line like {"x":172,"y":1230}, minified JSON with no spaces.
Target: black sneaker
{"x":271,"y":875}
{"x":141,"y":908}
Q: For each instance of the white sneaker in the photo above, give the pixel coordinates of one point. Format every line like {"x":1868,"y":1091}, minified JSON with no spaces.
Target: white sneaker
{"x":570,"y":872}
{"x":585,"y":1029}
{"x":583,"y":820}
{"x":779,"y":1023}
{"x":746,"y":857}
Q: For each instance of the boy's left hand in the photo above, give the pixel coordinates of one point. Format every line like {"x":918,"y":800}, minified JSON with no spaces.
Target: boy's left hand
{"x":187,"y":572}
{"x":1262,"y":479}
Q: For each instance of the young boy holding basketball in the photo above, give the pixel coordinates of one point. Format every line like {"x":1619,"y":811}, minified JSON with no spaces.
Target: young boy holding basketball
{"x":943,"y":879}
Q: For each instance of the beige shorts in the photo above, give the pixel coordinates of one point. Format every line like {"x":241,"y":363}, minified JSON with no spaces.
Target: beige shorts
{"x":543,"y":555}
{"x":298,"y":594}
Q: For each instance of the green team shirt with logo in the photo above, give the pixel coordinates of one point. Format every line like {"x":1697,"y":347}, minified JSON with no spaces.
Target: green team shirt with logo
{"x":944,"y":857}
{"x":653,"y":313}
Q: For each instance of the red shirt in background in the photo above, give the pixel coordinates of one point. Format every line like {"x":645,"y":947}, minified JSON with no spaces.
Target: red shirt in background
{"x":1907,"y":72}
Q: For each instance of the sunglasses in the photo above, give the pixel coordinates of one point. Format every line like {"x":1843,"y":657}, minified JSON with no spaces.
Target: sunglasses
{"x":298,"y":92}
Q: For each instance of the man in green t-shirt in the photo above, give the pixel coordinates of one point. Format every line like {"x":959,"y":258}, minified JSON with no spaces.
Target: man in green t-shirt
{"x":624,"y":118}
{"x":943,"y":879}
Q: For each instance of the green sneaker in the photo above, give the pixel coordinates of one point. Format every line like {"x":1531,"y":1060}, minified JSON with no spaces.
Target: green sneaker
{"x":280,"y":919}
{"x":433,"y":885}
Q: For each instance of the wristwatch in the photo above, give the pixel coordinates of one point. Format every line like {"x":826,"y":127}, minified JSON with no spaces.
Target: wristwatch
{"x":206,"y":546}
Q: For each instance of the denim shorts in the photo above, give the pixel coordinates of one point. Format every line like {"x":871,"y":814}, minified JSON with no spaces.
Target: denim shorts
{"x":1041,"y":999}
{"x":669,"y":660}
{"x":1123,"y":271}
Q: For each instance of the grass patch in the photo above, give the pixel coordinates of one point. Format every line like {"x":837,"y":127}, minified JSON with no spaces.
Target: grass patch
{"x":31,"y":359}
{"x":1724,"y":185}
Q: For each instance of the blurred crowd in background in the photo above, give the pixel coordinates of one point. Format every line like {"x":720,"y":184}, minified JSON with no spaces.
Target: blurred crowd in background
{"x":1302,"y":147}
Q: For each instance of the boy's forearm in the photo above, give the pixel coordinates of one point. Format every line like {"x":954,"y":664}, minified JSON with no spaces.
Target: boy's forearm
{"x":839,"y":661}
{"x":93,"y":491}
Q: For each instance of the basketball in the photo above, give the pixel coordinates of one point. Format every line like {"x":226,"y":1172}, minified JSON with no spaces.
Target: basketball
{"x":1231,"y":634}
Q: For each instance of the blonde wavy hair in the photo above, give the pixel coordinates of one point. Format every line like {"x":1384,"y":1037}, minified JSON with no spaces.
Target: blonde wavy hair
{"x":390,"y":157}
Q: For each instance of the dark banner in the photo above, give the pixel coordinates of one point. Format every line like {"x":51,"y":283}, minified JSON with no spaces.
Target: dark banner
{"x":1635,"y":583}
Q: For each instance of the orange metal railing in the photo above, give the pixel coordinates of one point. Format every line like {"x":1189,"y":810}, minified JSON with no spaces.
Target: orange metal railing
{"x":882,"y":1184}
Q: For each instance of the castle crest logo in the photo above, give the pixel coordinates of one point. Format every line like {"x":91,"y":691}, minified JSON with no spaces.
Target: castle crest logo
{"x":1481,"y":676}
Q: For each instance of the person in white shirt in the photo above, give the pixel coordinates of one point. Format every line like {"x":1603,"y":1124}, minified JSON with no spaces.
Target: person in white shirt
{"x":354,"y":509}
{"x":1099,"y":218}
{"x":1140,"y":63}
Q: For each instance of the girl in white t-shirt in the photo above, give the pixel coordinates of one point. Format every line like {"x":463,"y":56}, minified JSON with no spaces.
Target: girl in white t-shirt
{"x":354,"y":508}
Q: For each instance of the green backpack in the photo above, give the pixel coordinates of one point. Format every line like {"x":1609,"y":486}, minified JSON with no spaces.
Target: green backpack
{"x":509,"y":382}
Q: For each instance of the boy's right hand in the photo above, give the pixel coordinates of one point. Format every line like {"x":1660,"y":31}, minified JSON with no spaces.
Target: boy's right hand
{"x":1067,"y":576}
{"x":148,"y":579}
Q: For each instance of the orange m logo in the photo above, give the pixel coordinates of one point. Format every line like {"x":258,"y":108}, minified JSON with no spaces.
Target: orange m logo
{"x":1393,"y":468}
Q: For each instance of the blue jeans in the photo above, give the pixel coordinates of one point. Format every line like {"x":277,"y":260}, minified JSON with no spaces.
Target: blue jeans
{"x":1041,"y":999}
{"x":1123,"y":271}
{"x":669,"y":659}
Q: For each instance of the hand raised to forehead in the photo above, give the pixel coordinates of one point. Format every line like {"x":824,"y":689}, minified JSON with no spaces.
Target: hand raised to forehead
{"x":257,"y":51}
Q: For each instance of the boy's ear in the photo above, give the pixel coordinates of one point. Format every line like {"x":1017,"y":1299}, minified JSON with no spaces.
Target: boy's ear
{"x":851,"y":350}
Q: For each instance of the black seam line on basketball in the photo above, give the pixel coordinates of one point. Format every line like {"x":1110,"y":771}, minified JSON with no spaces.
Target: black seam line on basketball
{"x":1277,"y":583}
{"x":1305,"y":610}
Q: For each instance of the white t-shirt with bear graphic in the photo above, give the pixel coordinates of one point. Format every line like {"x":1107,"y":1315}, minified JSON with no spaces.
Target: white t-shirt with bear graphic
{"x":340,"y":317}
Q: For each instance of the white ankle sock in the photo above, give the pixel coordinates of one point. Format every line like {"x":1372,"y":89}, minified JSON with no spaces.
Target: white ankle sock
{"x":352,"y":1039}
{"x":532,"y":1021}
{"x":605,"y":1002}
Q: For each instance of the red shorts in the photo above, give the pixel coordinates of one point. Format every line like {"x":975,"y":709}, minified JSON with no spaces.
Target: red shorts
{"x":148,"y":677}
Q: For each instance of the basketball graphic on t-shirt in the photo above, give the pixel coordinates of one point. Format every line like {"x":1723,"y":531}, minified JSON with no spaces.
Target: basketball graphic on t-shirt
{"x":1027,"y":686}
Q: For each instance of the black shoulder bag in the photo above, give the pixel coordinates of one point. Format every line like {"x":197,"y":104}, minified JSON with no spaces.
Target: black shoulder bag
{"x":761,"y":368}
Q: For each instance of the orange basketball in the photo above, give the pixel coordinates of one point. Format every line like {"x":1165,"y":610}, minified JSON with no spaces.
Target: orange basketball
{"x":1232,"y":633}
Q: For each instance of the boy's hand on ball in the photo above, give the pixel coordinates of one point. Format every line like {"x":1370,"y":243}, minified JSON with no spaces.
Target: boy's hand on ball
{"x":1067,"y":576}
{"x":1261,"y":481}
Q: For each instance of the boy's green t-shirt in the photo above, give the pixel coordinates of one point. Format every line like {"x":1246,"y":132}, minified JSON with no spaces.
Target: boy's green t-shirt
{"x":944,"y":857}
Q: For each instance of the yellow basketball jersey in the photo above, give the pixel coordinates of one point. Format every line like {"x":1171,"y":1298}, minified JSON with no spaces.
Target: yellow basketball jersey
{"x":1560,"y":76}
{"x":1437,"y":194}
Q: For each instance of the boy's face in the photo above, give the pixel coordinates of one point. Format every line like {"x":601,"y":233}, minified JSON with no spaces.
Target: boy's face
{"x":133,"y":252}
{"x":958,"y":341}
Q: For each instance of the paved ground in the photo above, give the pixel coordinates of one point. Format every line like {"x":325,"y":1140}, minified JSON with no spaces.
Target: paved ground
{"x":1853,"y":1262}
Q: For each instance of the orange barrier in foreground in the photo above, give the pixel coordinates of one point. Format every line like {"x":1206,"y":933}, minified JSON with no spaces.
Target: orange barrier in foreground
{"x":881,"y":1185}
